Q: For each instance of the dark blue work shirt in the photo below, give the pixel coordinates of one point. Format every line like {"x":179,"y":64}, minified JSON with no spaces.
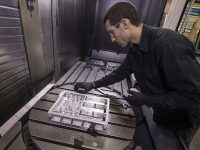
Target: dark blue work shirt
{"x":164,"y":65}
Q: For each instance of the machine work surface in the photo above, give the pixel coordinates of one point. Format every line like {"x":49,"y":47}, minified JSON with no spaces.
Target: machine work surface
{"x":54,"y":135}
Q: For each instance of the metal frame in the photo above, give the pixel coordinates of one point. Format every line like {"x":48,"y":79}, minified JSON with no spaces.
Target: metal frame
{"x":73,"y":108}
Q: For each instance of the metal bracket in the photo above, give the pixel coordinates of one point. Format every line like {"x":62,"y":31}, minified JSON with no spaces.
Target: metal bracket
{"x":91,"y":130}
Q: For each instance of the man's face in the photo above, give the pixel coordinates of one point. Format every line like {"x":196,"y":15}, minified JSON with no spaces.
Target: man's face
{"x":118,"y":33}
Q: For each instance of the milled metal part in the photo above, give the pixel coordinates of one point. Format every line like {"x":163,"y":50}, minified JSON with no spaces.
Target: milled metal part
{"x":80,"y":110}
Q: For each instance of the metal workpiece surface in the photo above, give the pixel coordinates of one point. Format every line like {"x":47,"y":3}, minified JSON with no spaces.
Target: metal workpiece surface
{"x":47,"y":134}
{"x":81,"y":110}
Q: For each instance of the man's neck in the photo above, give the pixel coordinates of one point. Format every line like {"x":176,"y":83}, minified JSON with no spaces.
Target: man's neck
{"x":136,"y":33}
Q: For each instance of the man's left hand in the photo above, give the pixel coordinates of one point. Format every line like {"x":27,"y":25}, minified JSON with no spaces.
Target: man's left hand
{"x":135,"y":98}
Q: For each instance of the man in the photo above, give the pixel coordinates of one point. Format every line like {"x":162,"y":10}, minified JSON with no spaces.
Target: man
{"x":164,"y":65}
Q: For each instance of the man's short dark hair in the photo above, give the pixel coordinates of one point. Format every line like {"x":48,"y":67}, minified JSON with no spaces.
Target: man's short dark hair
{"x":122,"y":10}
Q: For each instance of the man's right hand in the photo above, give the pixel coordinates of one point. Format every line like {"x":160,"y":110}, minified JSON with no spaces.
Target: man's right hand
{"x":83,"y":87}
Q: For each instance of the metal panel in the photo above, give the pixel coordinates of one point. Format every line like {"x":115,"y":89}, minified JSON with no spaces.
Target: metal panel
{"x":11,"y":98}
{"x":14,"y":73}
{"x":11,"y":56}
{"x":10,"y":106}
{"x":12,"y":64}
{"x":6,"y":49}
{"x":10,"y":22}
{"x":38,"y":38}
{"x":18,"y":83}
{"x":10,"y":31}
{"x":9,"y":3}
{"x":11,"y":40}
{"x":72,"y":27}
{"x":9,"y":12}
{"x":45,"y":10}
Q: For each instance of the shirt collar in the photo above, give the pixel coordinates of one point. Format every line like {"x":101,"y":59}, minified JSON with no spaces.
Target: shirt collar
{"x":143,"y":46}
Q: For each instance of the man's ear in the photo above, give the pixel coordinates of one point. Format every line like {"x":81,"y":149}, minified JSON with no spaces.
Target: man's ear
{"x":126,"y":22}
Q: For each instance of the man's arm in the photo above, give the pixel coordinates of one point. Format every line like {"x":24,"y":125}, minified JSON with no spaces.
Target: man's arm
{"x":181,"y":71}
{"x":117,"y":75}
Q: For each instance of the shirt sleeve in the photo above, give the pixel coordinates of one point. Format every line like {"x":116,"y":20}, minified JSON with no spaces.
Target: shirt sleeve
{"x":117,"y":75}
{"x":181,"y":71}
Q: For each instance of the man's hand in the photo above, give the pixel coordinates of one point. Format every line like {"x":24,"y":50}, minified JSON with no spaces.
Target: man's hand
{"x":83,"y":87}
{"x":135,"y":98}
